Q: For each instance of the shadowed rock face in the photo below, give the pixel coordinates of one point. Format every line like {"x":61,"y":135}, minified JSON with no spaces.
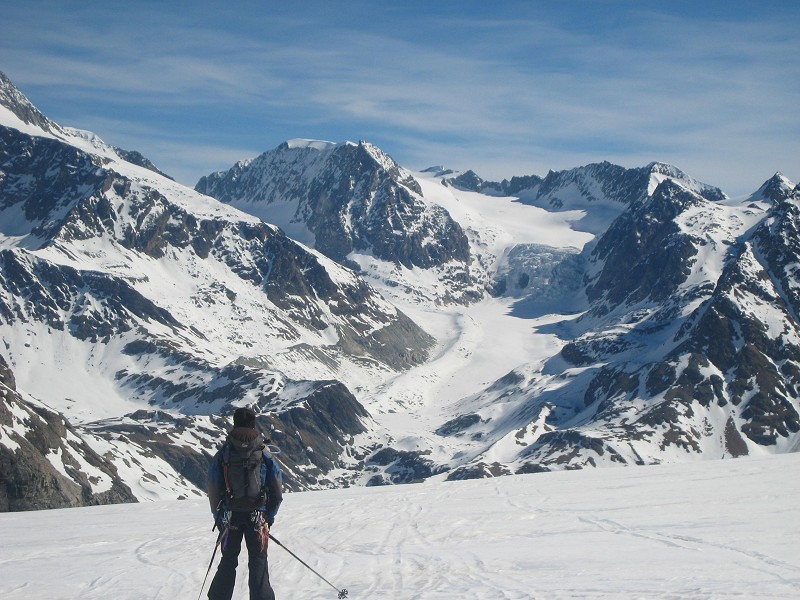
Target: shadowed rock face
{"x":663,"y":361}
{"x":73,"y":221}
{"x":351,"y":197}
{"x":32,"y":440}
{"x":634,"y":252}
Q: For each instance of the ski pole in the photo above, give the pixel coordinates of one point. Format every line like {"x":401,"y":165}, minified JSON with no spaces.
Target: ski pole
{"x":342,"y":593}
{"x":211,"y":562}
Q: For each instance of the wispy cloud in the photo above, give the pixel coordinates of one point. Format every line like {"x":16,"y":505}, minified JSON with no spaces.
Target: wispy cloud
{"x":546,"y":87}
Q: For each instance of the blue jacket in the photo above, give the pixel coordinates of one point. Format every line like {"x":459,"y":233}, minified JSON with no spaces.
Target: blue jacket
{"x":271,"y":479}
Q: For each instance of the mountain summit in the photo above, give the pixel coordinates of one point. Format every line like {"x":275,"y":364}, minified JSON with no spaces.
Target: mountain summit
{"x":344,"y":198}
{"x":131,"y":304}
{"x":356,"y":205}
{"x":386,"y":326}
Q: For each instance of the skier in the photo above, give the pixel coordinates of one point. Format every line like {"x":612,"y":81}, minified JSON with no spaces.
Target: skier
{"x":245,"y":491}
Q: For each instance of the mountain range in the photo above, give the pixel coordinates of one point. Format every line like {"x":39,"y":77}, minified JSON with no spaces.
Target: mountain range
{"x":387,"y":326}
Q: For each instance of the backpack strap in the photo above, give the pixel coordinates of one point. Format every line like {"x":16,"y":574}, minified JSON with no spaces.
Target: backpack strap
{"x":262,"y":492}
{"x":226,"y":462}
{"x":265,"y":479}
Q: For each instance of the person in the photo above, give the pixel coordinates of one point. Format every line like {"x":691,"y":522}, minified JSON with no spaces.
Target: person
{"x":238,"y":519}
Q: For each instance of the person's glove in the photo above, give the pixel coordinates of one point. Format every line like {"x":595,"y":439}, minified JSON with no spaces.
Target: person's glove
{"x":219,"y":520}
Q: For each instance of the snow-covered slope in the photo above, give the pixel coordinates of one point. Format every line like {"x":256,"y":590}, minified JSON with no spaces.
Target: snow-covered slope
{"x":593,"y":317}
{"x":124,"y":294}
{"x":355,"y":204}
{"x":715,"y":530}
{"x":687,"y":349}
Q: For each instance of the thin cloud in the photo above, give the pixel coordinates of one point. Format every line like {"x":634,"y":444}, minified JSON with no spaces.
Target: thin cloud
{"x":717,"y":96}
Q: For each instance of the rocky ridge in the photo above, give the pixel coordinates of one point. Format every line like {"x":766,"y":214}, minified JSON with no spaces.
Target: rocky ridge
{"x":689,"y":349}
{"x":350,"y":200}
{"x":95,"y":256}
{"x":143,"y":313}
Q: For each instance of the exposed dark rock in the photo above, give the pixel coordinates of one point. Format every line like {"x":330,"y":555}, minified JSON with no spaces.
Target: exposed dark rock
{"x":480,"y":470}
{"x":351,"y":197}
{"x":404,"y":466}
{"x":137,"y":158}
{"x":734,"y":444}
{"x":468,"y":181}
{"x":458,"y":425}
{"x":32,"y":440}
{"x":644,"y":253}
{"x":569,"y":449}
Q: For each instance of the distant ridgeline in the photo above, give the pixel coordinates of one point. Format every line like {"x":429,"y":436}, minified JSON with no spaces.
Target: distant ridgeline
{"x":137,"y":314}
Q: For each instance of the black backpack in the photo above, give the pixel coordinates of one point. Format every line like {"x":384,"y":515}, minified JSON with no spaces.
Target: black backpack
{"x":241,"y":464}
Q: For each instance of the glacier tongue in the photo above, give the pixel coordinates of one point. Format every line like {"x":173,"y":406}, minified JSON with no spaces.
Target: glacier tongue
{"x":420,"y":325}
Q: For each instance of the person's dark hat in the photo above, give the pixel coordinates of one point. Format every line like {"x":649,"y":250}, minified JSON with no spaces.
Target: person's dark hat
{"x":244,"y":417}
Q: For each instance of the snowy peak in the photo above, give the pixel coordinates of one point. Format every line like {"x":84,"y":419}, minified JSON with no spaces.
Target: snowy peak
{"x":660,"y":172}
{"x":673,"y":193}
{"x":385,"y":162}
{"x":20,"y":107}
{"x":776,"y":189}
{"x":343,"y":199}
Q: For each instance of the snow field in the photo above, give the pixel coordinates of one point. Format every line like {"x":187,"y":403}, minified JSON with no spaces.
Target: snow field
{"x":504,"y":221}
{"x":477,"y":344}
{"x":710,"y":530}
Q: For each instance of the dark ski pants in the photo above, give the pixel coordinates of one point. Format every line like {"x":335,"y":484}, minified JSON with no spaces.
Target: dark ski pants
{"x":222,"y":586}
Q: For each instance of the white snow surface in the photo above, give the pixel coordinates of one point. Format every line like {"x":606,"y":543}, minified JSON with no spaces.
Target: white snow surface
{"x":313,"y":144}
{"x":476,"y":344}
{"x":468,"y":356}
{"x":710,"y":530}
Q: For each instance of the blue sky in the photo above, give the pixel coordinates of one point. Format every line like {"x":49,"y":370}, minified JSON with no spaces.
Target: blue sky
{"x":516,"y":88}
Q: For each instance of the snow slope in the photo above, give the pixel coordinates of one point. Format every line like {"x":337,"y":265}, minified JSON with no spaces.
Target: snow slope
{"x":597,"y":316}
{"x":468,"y":357}
{"x":710,"y":530}
{"x":498,"y":383}
{"x":258,"y":312}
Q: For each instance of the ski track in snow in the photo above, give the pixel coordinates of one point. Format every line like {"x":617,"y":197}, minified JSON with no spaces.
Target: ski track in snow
{"x":708,"y":530}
